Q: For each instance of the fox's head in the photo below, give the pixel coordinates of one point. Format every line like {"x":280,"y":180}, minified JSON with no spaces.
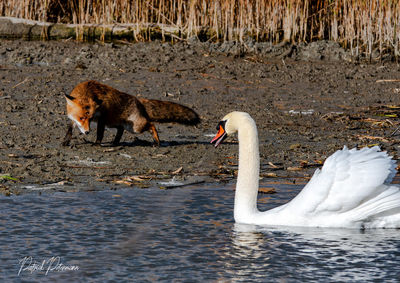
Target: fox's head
{"x":81,"y":111}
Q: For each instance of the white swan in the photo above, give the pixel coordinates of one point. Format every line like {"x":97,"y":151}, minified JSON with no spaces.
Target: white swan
{"x":349,"y":191}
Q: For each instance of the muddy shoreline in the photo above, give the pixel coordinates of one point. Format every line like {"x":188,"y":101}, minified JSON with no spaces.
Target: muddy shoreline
{"x":308,"y":102}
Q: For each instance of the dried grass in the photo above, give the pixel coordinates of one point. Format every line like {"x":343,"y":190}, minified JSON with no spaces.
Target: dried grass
{"x":364,"y":26}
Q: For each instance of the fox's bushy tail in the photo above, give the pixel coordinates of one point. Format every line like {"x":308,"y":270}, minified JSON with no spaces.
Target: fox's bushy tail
{"x":166,"y":111}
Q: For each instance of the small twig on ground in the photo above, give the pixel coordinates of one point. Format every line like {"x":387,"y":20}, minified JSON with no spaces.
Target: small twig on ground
{"x":24,"y":81}
{"x":388,"y":81}
{"x":395,"y":131}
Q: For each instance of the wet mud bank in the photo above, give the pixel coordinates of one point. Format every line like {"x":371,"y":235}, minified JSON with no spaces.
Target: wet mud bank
{"x":308,"y":102}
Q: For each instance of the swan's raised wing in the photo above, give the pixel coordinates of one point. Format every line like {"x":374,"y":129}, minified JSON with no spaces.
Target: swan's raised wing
{"x":347,"y":179}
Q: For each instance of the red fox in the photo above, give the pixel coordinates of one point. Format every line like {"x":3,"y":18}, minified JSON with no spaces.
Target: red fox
{"x":92,"y":101}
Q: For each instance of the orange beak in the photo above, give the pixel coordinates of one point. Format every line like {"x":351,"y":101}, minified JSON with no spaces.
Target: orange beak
{"x":221,"y":135}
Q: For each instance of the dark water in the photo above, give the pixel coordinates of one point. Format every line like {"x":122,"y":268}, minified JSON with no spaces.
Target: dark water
{"x":180,"y":235}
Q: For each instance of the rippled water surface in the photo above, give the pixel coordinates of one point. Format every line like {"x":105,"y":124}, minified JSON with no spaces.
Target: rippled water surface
{"x":185,"y":234}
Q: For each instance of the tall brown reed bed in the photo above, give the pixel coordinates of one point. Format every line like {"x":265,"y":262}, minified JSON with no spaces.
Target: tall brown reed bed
{"x":364,"y":26}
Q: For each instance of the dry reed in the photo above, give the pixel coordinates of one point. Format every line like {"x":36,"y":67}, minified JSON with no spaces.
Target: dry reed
{"x":364,"y":26}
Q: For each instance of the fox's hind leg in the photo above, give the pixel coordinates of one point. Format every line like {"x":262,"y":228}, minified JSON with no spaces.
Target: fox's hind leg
{"x":153,"y":131}
{"x":142,"y":124}
{"x":118,"y":136}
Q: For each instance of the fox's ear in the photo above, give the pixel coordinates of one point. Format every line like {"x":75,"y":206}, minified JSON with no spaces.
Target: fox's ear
{"x":69,"y":97}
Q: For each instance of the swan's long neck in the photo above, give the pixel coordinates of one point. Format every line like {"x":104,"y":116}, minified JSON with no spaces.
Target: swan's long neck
{"x":248,"y":175}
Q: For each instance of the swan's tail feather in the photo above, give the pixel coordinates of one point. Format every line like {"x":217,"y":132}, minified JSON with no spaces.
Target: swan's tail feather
{"x":387,"y":200}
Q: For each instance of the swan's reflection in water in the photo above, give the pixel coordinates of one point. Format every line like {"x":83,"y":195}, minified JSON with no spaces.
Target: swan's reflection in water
{"x":247,"y":241}
{"x":287,"y":253}
{"x":247,"y":256}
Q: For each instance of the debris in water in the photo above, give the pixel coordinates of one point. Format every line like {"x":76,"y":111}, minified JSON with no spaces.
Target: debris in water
{"x":294,"y":168}
{"x":270,"y":175}
{"x":266,"y":190}
{"x":173,"y":183}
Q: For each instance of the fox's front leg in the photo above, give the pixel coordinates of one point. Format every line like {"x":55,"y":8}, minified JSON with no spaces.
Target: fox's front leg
{"x":101,"y":125}
{"x":118,"y":136}
{"x":68,"y":135}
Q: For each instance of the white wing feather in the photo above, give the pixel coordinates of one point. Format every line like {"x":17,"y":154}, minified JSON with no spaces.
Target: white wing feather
{"x":348,"y":179}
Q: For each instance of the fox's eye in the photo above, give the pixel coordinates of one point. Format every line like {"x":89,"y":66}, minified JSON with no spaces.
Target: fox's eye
{"x":87,"y":107}
{"x":82,"y":118}
{"x":87,"y":113}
